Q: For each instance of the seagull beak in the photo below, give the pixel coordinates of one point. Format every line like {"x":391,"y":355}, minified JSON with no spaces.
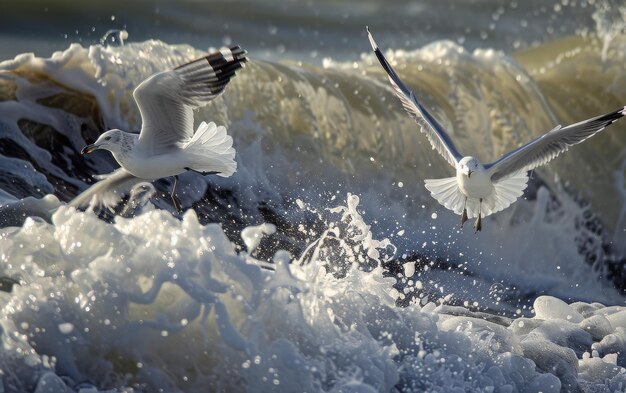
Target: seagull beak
{"x":469,"y":173}
{"x":89,"y":149}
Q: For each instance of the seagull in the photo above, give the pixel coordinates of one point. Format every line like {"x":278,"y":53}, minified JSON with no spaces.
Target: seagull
{"x":167,"y":144}
{"x":479,"y":190}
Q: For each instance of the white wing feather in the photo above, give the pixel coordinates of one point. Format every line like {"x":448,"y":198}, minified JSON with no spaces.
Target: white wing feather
{"x":108,"y":191}
{"x":541,"y":150}
{"x":166,"y":100}
{"x":435,"y":133}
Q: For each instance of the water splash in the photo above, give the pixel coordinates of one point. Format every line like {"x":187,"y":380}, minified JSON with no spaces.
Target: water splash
{"x":115,"y":36}
{"x":610,"y":19}
{"x":153,"y":302}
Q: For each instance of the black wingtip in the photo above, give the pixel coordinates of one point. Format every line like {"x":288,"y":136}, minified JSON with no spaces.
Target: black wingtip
{"x":238,"y":53}
{"x":612,"y":117}
{"x":381,"y":57}
{"x":222,"y":60}
{"x":226,"y":61}
{"x":372,"y":42}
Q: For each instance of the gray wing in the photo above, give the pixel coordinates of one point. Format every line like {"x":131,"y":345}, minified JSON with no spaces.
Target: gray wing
{"x":546,"y":147}
{"x":166,"y":100}
{"x":107,"y":192}
{"x":435,"y":133}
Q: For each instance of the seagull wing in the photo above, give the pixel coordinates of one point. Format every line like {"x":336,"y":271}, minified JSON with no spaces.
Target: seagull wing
{"x":546,"y":147}
{"x":166,"y":100}
{"x":433,"y":130}
{"x":108,"y":191}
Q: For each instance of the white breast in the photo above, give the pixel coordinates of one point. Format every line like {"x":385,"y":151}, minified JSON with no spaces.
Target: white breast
{"x":153,"y":167}
{"x":478,"y":185}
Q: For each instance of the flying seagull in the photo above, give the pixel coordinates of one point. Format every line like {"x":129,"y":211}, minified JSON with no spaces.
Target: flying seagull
{"x":479,"y":190}
{"x":167,"y":144}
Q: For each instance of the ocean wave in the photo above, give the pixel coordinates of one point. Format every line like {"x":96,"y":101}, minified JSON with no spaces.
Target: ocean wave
{"x":341,"y":313}
{"x":306,"y":132}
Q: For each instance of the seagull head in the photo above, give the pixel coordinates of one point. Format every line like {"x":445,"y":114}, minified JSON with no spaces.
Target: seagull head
{"x":110,"y":141}
{"x":469,"y":165}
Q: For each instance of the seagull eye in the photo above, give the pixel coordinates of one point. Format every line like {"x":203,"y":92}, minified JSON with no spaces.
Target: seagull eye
{"x":108,"y":138}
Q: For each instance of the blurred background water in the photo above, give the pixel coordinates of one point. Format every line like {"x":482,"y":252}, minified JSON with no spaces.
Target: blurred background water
{"x":306,"y":30}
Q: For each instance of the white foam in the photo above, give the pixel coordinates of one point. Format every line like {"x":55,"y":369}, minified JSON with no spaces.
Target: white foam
{"x":253,"y":235}
{"x":547,"y":307}
{"x":154,"y":290}
{"x":409,"y":269}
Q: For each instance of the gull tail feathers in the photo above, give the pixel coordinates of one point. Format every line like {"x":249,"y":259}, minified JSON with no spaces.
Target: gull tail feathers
{"x":211,"y":150}
{"x":446,"y":192}
{"x":506,"y":191}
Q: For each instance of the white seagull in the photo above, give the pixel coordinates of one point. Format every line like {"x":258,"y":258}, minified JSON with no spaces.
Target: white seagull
{"x":479,"y":190}
{"x":167,"y":144}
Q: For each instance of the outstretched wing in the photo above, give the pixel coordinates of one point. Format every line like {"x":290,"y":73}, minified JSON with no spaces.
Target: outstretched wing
{"x":437,"y":136}
{"x":108,"y":191}
{"x":166,"y":100}
{"x":546,"y":147}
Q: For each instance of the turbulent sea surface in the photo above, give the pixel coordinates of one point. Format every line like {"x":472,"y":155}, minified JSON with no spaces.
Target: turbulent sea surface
{"x":323,"y":264}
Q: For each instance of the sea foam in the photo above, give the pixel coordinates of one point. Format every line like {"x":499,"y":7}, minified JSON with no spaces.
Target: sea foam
{"x":153,"y":302}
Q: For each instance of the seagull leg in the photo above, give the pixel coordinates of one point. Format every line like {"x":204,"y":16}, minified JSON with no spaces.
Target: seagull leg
{"x":464,"y":215}
{"x":478,"y":224}
{"x":175,"y":199}
{"x":202,"y":173}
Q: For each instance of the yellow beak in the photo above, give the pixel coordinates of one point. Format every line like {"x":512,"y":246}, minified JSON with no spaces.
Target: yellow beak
{"x":89,"y":149}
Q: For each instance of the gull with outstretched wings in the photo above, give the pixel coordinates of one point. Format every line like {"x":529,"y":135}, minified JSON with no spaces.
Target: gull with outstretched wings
{"x":479,"y":190}
{"x":167,"y":144}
